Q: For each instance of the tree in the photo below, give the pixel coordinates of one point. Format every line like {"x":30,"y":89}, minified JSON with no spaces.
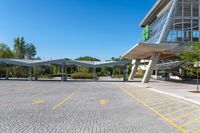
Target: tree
{"x":191,"y":56}
{"x":116,"y":59}
{"x":87,"y":58}
{"x":5,"y":51}
{"x":19,"y":48}
{"x":30,"y":51}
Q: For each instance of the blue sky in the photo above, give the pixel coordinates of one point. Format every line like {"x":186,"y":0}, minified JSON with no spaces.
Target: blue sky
{"x":73,"y":28}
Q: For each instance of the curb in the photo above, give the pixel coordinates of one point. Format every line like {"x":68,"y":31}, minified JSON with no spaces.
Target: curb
{"x":169,"y":94}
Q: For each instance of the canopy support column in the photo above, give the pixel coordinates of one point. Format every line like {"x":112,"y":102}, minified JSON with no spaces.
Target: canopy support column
{"x":126,"y":73}
{"x":63,"y":77}
{"x":7,"y":74}
{"x":152,"y":63}
{"x":94,"y":74}
{"x":30,"y":74}
{"x":135,"y":64}
{"x":66,"y":73}
{"x":36,"y":73}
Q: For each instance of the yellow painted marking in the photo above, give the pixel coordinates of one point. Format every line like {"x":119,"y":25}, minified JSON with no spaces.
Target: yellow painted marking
{"x":190,"y":122}
{"x":103,"y":102}
{"x":13,"y":91}
{"x":177,"y":111}
{"x":155,"y":111}
{"x":65,"y":99}
{"x":171,"y":107}
{"x":196,"y":130}
{"x":25,"y":98}
{"x":167,"y":103}
{"x":163,"y":102}
{"x":164,"y":106}
{"x":37,"y":102}
{"x":184,"y":115}
{"x":158,"y":99}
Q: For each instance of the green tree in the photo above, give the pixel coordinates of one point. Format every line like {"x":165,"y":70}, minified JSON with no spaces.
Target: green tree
{"x":30,"y":51}
{"x":191,"y":56}
{"x":19,"y":48}
{"x":5,"y":51}
{"x":116,"y":59}
{"x":87,"y":58}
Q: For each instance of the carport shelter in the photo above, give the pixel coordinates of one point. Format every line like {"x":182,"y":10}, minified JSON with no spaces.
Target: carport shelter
{"x":64,"y":63}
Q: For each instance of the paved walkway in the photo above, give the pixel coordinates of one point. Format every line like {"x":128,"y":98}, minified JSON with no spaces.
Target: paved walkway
{"x":178,"y":88}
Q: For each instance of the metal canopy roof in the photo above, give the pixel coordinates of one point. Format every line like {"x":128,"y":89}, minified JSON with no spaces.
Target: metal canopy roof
{"x":93,"y":64}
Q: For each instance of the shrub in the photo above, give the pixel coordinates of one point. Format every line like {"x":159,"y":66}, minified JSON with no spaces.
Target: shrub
{"x":118,"y":76}
{"x":82,"y":75}
{"x":139,"y":73}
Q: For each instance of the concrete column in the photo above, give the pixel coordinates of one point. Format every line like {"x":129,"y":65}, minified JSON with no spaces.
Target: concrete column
{"x":7,"y":74}
{"x":36,"y":73}
{"x":65,"y":73}
{"x":94,"y":73}
{"x":135,"y":65}
{"x":156,"y":74}
{"x":152,"y":63}
{"x":126,"y":73}
{"x":30,"y":74}
{"x":63,"y":78}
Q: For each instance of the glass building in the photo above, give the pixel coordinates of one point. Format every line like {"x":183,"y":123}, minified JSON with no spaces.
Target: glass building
{"x":174,"y":21}
{"x":167,"y":28}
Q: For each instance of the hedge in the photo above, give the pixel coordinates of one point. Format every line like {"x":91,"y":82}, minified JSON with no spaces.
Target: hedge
{"x":82,"y":75}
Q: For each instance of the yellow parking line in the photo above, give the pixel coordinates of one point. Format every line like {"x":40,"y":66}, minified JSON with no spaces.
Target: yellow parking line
{"x":65,"y":99}
{"x":152,"y":100}
{"x":162,"y":102}
{"x":171,"y":107}
{"x":184,"y":115}
{"x":196,"y":131}
{"x":177,"y":111}
{"x":19,"y":90}
{"x":155,"y":111}
{"x":37,"y":102}
{"x":25,"y":98}
{"x":158,"y":100}
{"x":166,"y":105}
{"x":190,"y":122}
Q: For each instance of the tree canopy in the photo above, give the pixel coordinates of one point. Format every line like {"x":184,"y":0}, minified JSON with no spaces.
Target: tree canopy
{"x":191,"y":56}
{"x":19,"y":48}
{"x":87,"y":58}
{"x":5,"y":51}
{"x":30,"y":51}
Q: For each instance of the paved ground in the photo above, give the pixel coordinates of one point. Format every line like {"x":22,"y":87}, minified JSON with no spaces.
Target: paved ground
{"x":89,"y":107}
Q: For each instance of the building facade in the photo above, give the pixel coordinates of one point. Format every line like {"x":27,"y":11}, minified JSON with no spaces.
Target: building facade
{"x":168,"y":27}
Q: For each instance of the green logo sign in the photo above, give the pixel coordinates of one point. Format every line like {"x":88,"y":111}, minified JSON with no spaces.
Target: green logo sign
{"x":146,"y":33}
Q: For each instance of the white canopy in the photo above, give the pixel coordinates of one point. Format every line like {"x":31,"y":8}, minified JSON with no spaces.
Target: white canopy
{"x":93,"y":64}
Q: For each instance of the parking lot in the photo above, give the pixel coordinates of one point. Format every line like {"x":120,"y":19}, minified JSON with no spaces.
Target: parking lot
{"x":92,"y":107}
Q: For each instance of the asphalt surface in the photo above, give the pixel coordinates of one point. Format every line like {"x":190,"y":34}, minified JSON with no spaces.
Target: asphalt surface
{"x":90,"y":107}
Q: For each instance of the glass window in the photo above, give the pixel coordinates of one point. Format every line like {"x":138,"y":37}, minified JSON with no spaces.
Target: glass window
{"x":195,"y":10}
{"x":187,"y":9}
{"x":179,"y":9}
